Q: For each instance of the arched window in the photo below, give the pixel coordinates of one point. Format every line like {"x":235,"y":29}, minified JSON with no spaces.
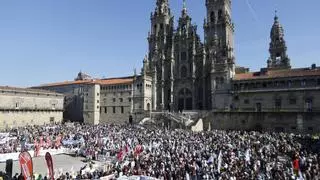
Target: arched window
{"x":220,"y":14}
{"x":155,"y":28}
{"x":183,"y":72}
{"x":212,"y":17}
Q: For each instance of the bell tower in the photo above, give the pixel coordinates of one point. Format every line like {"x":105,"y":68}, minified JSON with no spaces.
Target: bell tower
{"x":160,"y":47}
{"x":278,"y":50}
{"x":219,"y":32}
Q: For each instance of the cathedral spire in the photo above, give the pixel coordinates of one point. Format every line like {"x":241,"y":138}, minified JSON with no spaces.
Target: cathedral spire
{"x":162,"y":7}
{"x":278,"y":49}
{"x":184,"y":9}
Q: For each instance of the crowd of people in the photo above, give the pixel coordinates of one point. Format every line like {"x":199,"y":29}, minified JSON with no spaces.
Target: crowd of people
{"x":178,"y":154}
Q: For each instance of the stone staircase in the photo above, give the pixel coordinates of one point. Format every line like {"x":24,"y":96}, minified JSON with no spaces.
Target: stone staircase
{"x":185,"y":120}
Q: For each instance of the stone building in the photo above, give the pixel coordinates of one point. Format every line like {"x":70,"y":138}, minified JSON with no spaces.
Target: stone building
{"x":99,"y":101}
{"x":188,"y":74}
{"x":22,"y":106}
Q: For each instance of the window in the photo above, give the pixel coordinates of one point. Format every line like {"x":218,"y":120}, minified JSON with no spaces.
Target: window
{"x":258,"y":107}
{"x":183,"y":72}
{"x":17,"y":105}
{"x":105,"y":110}
{"x":86,"y":106}
{"x":114,"y":109}
{"x":303,"y":83}
{"x":246,"y":101}
{"x":220,"y":14}
{"x":212,"y":17}
{"x":318,"y":82}
{"x":278,"y":104}
{"x":53,"y":106}
{"x":51,"y":119}
{"x":97,"y":101}
{"x":98,"y":107}
{"x":183,"y":56}
{"x":129,"y":99}
{"x":114,"y":99}
{"x":98,"y":94}
{"x":264,"y":85}
{"x":121,"y":99}
{"x":292,"y":101}
{"x":122,"y":110}
{"x":308,"y":104}
{"x":289,"y":84}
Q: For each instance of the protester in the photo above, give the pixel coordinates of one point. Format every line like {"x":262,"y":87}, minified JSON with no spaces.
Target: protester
{"x":176,"y":154}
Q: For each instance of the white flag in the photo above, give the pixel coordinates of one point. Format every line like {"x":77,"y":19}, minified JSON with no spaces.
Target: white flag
{"x":219,"y":161}
{"x":248,"y":155}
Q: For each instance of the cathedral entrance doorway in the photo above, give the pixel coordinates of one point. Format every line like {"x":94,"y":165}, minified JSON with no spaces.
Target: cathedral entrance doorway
{"x":185,"y":99}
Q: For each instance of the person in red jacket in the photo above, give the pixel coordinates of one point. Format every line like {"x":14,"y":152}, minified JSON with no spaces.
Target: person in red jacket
{"x":296,"y":167}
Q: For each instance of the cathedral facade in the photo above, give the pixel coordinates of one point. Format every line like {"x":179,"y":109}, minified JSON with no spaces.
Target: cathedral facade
{"x":189,"y":74}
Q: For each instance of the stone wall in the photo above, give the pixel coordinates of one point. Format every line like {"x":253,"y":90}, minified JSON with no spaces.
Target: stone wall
{"x":295,"y":122}
{"x":116,"y":103}
{"x":21,"y":107}
{"x":9,"y":119}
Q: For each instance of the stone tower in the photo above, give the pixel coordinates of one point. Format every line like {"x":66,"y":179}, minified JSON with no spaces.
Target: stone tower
{"x":187,"y":63}
{"x":278,"y":50}
{"x":160,"y":47}
{"x":220,"y":61}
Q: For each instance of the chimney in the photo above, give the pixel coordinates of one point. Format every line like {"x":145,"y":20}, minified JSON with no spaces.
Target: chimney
{"x":313,"y":66}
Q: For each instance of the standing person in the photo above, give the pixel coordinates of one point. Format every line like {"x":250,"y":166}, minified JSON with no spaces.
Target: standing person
{"x":296,"y":166}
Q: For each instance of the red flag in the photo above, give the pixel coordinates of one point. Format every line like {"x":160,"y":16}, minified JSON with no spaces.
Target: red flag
{"x":26,"y":165}
{"x":137,"y":150}
{"x":120,"y":155}
{"x":127,"y":148}
{"x":48,"y":158}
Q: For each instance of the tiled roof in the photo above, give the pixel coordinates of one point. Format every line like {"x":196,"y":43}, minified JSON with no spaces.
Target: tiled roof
{"x":109,"y":81}
{"x":270,"y":74}
{"x":115,"y":81}
{"x":65,"y":83}
{"x":31,"y":90}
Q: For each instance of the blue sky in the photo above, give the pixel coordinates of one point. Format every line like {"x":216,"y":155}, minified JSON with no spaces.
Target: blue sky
{"x":43,"y":41}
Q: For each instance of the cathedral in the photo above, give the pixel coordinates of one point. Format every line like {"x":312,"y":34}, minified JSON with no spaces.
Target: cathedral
{"x":188,"y":74}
